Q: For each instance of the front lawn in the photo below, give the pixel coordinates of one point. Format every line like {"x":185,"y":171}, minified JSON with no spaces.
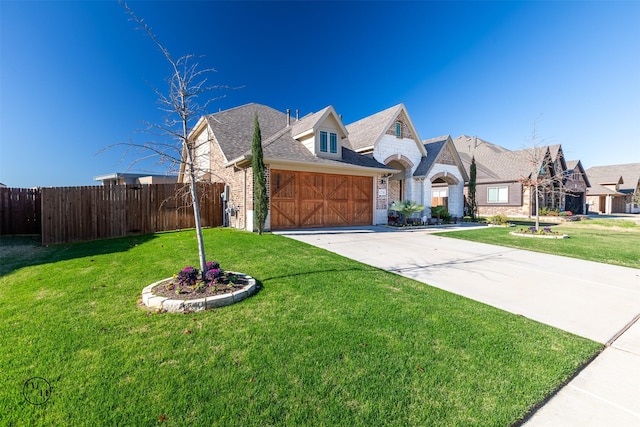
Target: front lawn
{"x":326,"y":342}
{"x":609,"y":241}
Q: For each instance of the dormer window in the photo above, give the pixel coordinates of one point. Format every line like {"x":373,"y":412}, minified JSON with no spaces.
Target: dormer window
{"x":328,"y":142}
{"x":333,"y":143}
{"x":398,"y":129}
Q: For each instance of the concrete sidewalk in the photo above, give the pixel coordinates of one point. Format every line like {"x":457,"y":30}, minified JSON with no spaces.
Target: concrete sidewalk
{"x":592,"y":300}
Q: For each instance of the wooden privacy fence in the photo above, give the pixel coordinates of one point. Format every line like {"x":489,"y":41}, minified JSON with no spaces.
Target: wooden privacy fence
{"x":89,"y":213}
{"x":72,"y":214}
{"x":19,"y":211}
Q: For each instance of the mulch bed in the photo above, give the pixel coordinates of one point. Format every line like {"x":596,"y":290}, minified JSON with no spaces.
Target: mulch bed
{"x":168,"y":289}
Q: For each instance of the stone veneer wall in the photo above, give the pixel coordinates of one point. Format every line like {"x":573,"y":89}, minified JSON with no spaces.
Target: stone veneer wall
{"x":504,"y":210}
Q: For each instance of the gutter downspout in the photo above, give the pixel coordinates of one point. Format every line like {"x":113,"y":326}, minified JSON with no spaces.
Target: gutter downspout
{"x":244,"y":199}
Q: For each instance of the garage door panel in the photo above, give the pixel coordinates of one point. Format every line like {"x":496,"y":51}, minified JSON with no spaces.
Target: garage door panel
{"x":337,"y":187}
{"x":283,"y":185}
{"x":311,"y":214}
{"x":283,"y":200}
{"x":283,"y":214}
{"x":304,"y":200}
{"x":361,"y":213}
{"x":311,"y":187}
{"x":361,"y":188}
{"x":338,"y":214}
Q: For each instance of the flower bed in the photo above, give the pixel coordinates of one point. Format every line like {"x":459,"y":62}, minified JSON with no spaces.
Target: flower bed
{"x":541,"y":233}
{"x":187,"y":292}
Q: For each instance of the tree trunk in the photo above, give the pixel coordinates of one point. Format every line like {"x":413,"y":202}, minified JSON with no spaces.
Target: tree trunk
{"x":193,"y":187}
{"x":537,"y":210}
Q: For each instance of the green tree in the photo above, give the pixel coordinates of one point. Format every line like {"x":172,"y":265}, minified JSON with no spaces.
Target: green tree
{"x":406,"y":208}
{"x":260,"y":193}
{"x":473,"y":204}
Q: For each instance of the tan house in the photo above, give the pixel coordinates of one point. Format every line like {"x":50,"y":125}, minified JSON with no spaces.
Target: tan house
{"x":504,"y":178}
{"x":124,"y":178}
{"x":321,"y":173}
{"x":615,"y":189}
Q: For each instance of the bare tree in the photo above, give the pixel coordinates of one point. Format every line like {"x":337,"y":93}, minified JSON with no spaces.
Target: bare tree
{"x":187,"y":82}
{"x":541,"y":176}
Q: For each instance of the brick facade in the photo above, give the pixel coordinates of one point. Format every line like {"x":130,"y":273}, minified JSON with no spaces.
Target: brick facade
{"x":405,"y":129}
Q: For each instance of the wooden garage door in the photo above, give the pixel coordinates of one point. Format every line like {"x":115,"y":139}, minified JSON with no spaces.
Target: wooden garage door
{"x":307,"y":200}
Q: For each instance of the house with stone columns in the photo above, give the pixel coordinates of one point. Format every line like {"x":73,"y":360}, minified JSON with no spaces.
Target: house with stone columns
{"x":321,"y":172}
{"x":430,"y":172}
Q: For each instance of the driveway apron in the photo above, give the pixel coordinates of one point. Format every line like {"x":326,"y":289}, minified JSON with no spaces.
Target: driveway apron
{"x":592,"y":300}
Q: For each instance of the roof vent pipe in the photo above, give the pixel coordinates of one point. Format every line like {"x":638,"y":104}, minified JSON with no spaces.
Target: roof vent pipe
{"x":288,"y":117}
{"x":297,"y":114}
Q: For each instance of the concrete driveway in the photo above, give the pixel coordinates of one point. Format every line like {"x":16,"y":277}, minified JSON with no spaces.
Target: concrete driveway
{"x":592,"y":300}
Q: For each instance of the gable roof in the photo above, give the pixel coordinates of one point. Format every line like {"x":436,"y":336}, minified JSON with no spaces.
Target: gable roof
{"x":433,"y":148}
{"x":611,"y":174}
{"x":471,"y":145}
{"x":572,"y":165}
{"x":309,"y":123}
{"x":284,"y":147}
{"x":498,"y":164}
{"x":366,"y":132}
{"x":233,"y":131}
{"x":233,"y":128}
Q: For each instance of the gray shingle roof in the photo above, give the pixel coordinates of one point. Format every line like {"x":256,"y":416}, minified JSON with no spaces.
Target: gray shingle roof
{"x":307,"y":122}
{"x":233,"y":130}
{"x":496,"y":163}
{"x":433,"y":146}
{"x":597,"y":190}
{"x":610,"y":174}
{"x":365,"y":132}
{"x":571,"y":164}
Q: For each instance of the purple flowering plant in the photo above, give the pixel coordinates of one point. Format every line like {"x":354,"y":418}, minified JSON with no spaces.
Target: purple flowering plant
{"x":191,"y":277}
{"x":214,"y":275}
{"x":188,"y":276}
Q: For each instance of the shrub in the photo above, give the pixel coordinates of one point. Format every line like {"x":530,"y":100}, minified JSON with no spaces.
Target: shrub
{"x":499,"y":219}
{"x":566,"y":213}
{"x":406,"y":208}
{"x":440,"y":212}
{"x":545,"y":211}
{"x":466,"y":218}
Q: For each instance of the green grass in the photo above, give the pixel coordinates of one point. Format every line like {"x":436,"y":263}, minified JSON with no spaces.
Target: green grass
{"x":607,"y":241}
{"x":326,"y":342}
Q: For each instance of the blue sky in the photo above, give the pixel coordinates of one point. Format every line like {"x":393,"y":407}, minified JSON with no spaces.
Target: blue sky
{"x":76,"y":77}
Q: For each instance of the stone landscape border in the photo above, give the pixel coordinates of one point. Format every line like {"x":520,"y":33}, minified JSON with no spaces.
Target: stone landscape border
{"x":158,"y":302}
{"x":541,"y":236}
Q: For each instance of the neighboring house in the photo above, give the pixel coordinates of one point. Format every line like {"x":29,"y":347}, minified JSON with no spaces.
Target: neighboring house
{"x":135,"y":179}
{"x":503,"y":176}
{"x":321,"y":173}
{"x":615,"y":189}
{"x":576,"y":184}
